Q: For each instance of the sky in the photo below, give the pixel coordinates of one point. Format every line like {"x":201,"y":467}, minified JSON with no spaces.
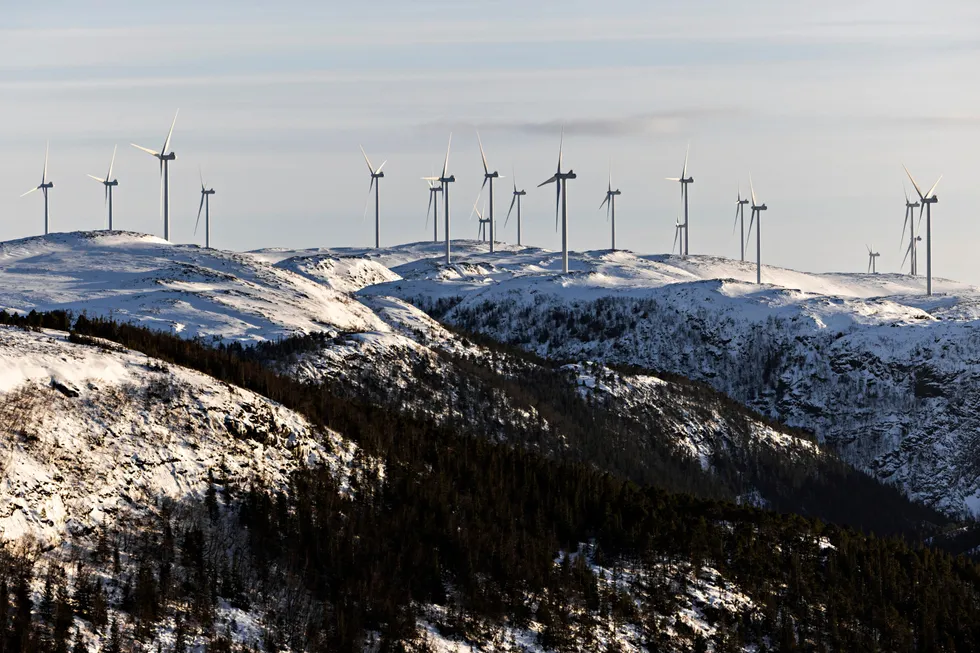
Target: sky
{"x":821,"y":102}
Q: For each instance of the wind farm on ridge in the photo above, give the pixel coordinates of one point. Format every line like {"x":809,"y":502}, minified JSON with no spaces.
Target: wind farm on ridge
{"x":487,"y":230}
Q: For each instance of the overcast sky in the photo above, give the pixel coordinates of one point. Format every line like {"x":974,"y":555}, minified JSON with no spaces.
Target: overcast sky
{"x":821,"y":101}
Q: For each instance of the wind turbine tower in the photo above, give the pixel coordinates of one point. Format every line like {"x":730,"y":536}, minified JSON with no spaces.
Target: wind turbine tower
{"x":910,"y":207}
{"x":44,"y":187}
{"x":610,"y":204}
{"x":108,"y":183}
{"x":560,"y":179}
{"x":518,"y":194}
{"x":740,"y":219}
{"x":165,"y":157}
{"x":206,"y":194}
{"x":434,"y":190}
{"x":872,"y":257}
{"x":445,"y":180}
{"x":756,"y":218}
{"x":488,"y":176}
{"x":927,"y":201}
{"x":376,"y":176}
{"x":684,"y":181}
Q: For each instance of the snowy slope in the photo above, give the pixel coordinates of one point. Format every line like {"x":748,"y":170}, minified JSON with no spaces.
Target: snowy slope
{"x":868,"y":362}
{"x":183,"y":288}
{"x":92,"y":434}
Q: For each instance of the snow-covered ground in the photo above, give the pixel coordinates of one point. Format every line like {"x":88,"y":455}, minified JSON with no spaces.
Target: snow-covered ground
{"x":91,"y":434}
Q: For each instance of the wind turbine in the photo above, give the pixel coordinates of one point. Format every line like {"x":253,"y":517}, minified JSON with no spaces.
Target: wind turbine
{"x":376,"y":176}
{"x":756,"y":218}
{"x":206,"y":194}
{"x":910,"y":223}
{"x":678,"y":228}
{"x":434,"y":191}
{"x":44,"y":187}
{"x":684,"y":181}
{"x":488,"y":176}
{"x":165,"y":158}
{"x":740,"y":218}
{"x":560,"y":179}
{"x":483,"y":222}
{"x":610,"y":204}
{"x":927,"y":201}
{"x":108,"y":183}
{"x":872,"y":256}
{"x":445,"y":180}
{"x":518,"y":194}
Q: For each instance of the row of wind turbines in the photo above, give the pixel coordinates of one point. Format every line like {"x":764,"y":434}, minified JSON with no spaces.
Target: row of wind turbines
{"x":487,"y":224}
{"x":440,"y":185}
{"x":165,"y":157}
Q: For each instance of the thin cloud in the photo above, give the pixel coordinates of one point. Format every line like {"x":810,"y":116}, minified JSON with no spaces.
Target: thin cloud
{"x":659,"y":123}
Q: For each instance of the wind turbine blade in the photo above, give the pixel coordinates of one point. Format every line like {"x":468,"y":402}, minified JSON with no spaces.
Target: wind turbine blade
{"x":929,"y":194}
{"x":166,"y":143}
{"x":484,"y":184}
{"x":677,"y":233}
{"x":429,"y":179}
{"x":561,"y":146}
{"x":906,"y":190}
{"x":755,"y":202}
{"x":869,"y":263}
{"x":429,"y":207}
{"x":44,"y":175}
{"x":672,"y":178}
{"x":199,"y":209}
{"x":912,"y":179}
{"x":905,"y":224}
{"x":748,"y":233}
{"x":200,"y":172}
{"x":146,"y":149}
{"x":513,"y":201}
{"x":922,"y":209}
{"x":378,"y":171}
{"x":550,"y":181}
{"x":908,"y":250}
{"x":735,"y":226}
{"x":101,"y":181}
{"x":367,"y":160}
{"x":112,"y":162}
{"x":686,"y":155}
{"x":486,"y":168}
{"x":29,"y":192}
{"x":604,"y":202}
{"x":445,"y":167}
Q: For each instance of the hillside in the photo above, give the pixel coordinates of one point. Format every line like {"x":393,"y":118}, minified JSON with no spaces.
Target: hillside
{"x":867,"y":362}
{"x":648,"y":428}
{"x":506,"y":549}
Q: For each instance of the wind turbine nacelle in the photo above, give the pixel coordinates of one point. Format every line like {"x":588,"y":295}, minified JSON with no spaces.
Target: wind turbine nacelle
{"x":377,"y":175}
{"x":114,"y":182}
{"x":168,"y":157}
{"x":448,"y":180}
{"x":49,"y":184}
{"x":689,"y":180}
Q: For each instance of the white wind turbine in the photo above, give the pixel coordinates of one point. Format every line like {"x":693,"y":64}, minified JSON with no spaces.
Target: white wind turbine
{"x":678,"y":230}
{"x":165,"y":157}
{"x":740,"y":218}
{"x":445,"y":180}
{"x":560,"y":179}
{"x":433,"y":207}
{"x":108,"y":183}
{"x":684,"y":182}
{"x":910,"y":252}
{"x":44,"y":187}
{"x":206,"y":194}
{"x":872,"y":257}
{"x":756,"y":218}
{"x":928,"y":199}
{"x":610,"y":204}
{"x":518,"y":194}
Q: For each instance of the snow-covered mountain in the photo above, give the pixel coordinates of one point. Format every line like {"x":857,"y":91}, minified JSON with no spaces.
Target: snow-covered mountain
{"x":868,"y":362}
